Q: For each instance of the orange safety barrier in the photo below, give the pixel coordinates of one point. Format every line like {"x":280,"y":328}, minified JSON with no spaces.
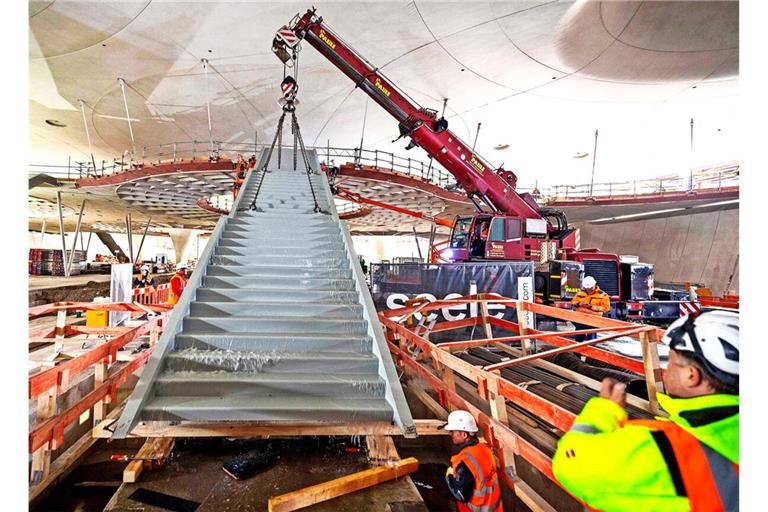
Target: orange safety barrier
{"x":152,"y":294}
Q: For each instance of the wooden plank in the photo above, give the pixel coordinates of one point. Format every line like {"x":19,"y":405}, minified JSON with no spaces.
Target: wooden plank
{"x":522,"y":327}
{"x":602,"y":355}
{"x":531,"y":498}
{"x":424,"y":427}
{"x":484,"y":315}
{"x":532,"y":357}
{"x":652,"y":368}
{"x":578,"y":378}
{"x":429,"y":402}
{"x":66,"y":462}
{"x":100,"y":370}
{"x":155,"y":449}
{"x":340,"y":486}
{"x":381,"y":449}
{"x":41,"y":455}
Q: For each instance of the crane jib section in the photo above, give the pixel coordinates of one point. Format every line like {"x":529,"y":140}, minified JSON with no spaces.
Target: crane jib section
{"x":476,"y":176}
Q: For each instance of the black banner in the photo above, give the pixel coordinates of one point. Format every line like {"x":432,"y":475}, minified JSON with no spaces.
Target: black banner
{"x":393,"y":284}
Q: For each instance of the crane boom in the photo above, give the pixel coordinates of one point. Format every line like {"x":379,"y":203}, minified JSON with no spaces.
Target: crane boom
{"x":494,"y":187}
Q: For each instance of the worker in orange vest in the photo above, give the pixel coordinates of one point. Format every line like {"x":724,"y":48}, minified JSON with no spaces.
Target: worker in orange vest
{"x":241,"y":167}
{"x":471,"y":477}
{"x":590,"y":299}
{"x":178,"y":283}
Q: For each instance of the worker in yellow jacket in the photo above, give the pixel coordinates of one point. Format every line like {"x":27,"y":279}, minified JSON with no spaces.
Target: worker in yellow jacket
{"x":590,"y":299}
{"x":689,"y":461}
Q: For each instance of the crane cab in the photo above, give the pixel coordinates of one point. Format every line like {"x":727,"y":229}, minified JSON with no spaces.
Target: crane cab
{"x":496,"y":236}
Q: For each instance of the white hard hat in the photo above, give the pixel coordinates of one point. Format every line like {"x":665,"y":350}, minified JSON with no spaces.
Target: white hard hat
{"x":588,"y":282}
{"x":145,"y":267}
{"x":461,"y":420}
{"x":181,"y":266}
{"x":712,"y":338}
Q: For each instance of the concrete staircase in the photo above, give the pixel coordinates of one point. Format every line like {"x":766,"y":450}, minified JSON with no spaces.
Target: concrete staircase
{"x":278,"y":328}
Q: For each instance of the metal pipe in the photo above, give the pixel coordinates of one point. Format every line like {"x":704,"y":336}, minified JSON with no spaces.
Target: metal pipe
{"x":143,"y":236}
{"x":74,"y":242}
{"x":594,"y":158}
{"x":61,"y":230}
{"x":208,"y":103}
{"x":88,"y":245}
{"x":477,"y":134}
{"x":42,"y":233}
{"x":128,"y":117}
{"x":128,"y":228}
{"x":690,"y":178}
{"x":416,"y":239}
{"x":87,"y":134}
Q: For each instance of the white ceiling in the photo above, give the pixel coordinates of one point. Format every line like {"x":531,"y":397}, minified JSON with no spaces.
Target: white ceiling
{"x":540,"y":76}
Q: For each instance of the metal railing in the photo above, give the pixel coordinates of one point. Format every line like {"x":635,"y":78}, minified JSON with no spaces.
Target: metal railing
{"x":714,"y":177}
{"x":717,"y":176}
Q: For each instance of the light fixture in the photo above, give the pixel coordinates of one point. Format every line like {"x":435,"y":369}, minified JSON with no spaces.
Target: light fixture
{"x":501,"y":146}
{"x":54,"y":122}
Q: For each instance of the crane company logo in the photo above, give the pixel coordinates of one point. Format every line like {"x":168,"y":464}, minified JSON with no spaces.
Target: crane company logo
{"x":476,"y":164}
{"x":381,"y":87}
{"x":327,"y":40}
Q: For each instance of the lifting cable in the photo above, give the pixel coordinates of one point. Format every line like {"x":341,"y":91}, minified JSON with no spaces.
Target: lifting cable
{"x":298,"y":142}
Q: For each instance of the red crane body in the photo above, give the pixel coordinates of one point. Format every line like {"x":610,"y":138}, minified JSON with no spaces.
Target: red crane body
{"x":473,"y":173}
{"x":514,"y":226}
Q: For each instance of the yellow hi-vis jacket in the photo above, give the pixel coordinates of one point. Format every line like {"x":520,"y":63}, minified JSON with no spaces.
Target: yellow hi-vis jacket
{"x":688,"y":462}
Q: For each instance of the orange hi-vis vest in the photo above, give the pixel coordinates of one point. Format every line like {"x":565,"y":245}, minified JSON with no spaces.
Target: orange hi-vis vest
{"x":172,"y":297}
{"x":598,"y":299}
{"x":486,"y":496}
{"x":708,"y":479}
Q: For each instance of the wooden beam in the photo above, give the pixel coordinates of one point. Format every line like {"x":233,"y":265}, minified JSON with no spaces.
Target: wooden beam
{"x":429,"y":402}
{"x":455,"y":346}
{"x":652,"y":368}
{"x":522,"y":323}
{"x":484,"y":315}
{"x":340,"y":486}
{"x":381,"y":449}
{"x":267,"y":428}
{"x":548,"y":353}
{"x":65,"y":463}
{"x":155,"y":450}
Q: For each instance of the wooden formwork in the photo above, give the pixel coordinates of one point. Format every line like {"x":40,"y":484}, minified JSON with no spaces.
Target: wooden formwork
{"x":439,"y":367}
{"x":48,"y":384}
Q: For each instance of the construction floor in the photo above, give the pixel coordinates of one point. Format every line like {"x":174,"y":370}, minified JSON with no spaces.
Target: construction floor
{"x":195,"y":473}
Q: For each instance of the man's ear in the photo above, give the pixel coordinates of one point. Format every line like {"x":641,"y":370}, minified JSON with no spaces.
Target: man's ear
{"x":693,"y":376}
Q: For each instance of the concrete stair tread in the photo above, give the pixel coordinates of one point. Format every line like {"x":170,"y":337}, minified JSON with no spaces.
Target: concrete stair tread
{"x":281,"y":408}
{"x":276,"y":403}
{"x":266,"y":378}
{"x":269,"y":355}
{"x":287,"y":336}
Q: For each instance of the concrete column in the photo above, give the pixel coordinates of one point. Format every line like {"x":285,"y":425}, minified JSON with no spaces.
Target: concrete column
{"x":181,"y":239}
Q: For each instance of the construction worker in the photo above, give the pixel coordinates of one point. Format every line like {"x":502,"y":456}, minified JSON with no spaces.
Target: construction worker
{"x":144,"y":278}
{"x":146,"y":281}
{"x":240,"y":167}
{"x":178,"y":283}
{"x":687,"y":462}
{"x":590,"y":299}
{"x":252,"y":162}
{"x":471,"y":477}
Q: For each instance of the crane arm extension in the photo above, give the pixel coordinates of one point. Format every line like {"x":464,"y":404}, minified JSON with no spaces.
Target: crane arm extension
{"x":357,"y":198}
{"x":473,"y":173}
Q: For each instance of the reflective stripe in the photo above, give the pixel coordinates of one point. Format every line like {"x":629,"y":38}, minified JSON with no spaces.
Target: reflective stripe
{"x":484,"y":489}
{"x":725,"y":476}
{"x":583,"y":428}
{"x":486,"y":508}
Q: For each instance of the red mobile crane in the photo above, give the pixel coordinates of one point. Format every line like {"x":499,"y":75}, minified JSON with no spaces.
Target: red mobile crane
{"x":507,"y":225}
